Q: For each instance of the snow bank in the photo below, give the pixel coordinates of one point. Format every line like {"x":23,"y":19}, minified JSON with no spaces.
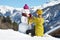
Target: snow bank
{"x":15,"y":35}
{"x":11,"y":35}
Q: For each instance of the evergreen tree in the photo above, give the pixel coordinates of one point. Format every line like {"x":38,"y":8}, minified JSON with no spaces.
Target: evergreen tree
{"x":3,"y":19}
{"x":8,"y":19}
{"x":15,"y":26}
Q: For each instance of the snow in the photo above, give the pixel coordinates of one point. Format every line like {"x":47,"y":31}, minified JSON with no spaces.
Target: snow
{"x":23,"y":27}
{"x":9,"y":34}
{"x":24,"y":19}
{"x":47,"y":4}
{"x":18,"y":12}
{"x":26,"y":11}
{"x":6,"y":8}
{"x":50,"y":3}
{"x":53,"y":29}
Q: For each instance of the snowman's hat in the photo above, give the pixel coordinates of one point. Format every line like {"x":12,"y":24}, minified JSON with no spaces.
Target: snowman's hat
{"x":26,"y":6}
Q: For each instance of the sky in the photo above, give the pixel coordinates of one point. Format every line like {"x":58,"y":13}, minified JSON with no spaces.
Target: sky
{"x":21,"y":3}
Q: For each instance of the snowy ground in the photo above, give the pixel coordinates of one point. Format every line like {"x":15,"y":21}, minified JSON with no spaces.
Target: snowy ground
{"x":15,"y":35}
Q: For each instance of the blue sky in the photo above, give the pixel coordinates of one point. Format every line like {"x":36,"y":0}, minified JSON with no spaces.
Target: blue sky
{"x":20,"y":3}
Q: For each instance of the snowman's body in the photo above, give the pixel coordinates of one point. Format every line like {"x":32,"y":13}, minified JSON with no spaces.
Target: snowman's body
{"x":24,"y":19}
{"x":23,"y":26}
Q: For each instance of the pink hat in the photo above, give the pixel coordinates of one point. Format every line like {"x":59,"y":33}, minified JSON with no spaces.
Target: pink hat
{"x":26,"y":6}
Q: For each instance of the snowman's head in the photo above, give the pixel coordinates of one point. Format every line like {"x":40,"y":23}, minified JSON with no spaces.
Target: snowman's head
{"x":26,"y":9}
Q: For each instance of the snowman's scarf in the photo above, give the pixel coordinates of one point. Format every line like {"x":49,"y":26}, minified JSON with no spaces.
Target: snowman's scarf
{"x":24,"y":14}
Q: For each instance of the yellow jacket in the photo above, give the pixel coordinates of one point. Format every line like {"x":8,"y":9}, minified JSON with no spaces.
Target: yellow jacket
{"x":39,"y":29}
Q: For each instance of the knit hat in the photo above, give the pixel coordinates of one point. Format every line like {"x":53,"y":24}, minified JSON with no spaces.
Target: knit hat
{"x":26,"y":6}
{"x":39,"y":11}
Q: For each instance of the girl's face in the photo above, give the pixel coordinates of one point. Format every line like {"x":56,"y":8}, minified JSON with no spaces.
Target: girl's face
{"x":40,"y":16}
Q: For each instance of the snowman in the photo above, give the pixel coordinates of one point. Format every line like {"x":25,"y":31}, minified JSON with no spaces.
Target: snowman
{"x":23,"y":26}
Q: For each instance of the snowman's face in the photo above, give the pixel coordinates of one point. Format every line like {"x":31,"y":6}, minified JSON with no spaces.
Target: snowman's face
{"x":26,"y":11}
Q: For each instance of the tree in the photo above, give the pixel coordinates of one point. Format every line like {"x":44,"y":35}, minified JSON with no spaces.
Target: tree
{"x":8,"y":19}
{"x":15,"y":26}
{"x":3,"y":19}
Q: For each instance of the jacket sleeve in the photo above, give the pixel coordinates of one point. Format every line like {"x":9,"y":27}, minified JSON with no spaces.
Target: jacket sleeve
{"x":42,"y":20}
{"x":31,"y":20}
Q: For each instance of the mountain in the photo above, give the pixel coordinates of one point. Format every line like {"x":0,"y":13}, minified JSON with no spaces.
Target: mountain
{"x":51,"y":14}
{"x":50,"y":3}
{"x":14,"y":13}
